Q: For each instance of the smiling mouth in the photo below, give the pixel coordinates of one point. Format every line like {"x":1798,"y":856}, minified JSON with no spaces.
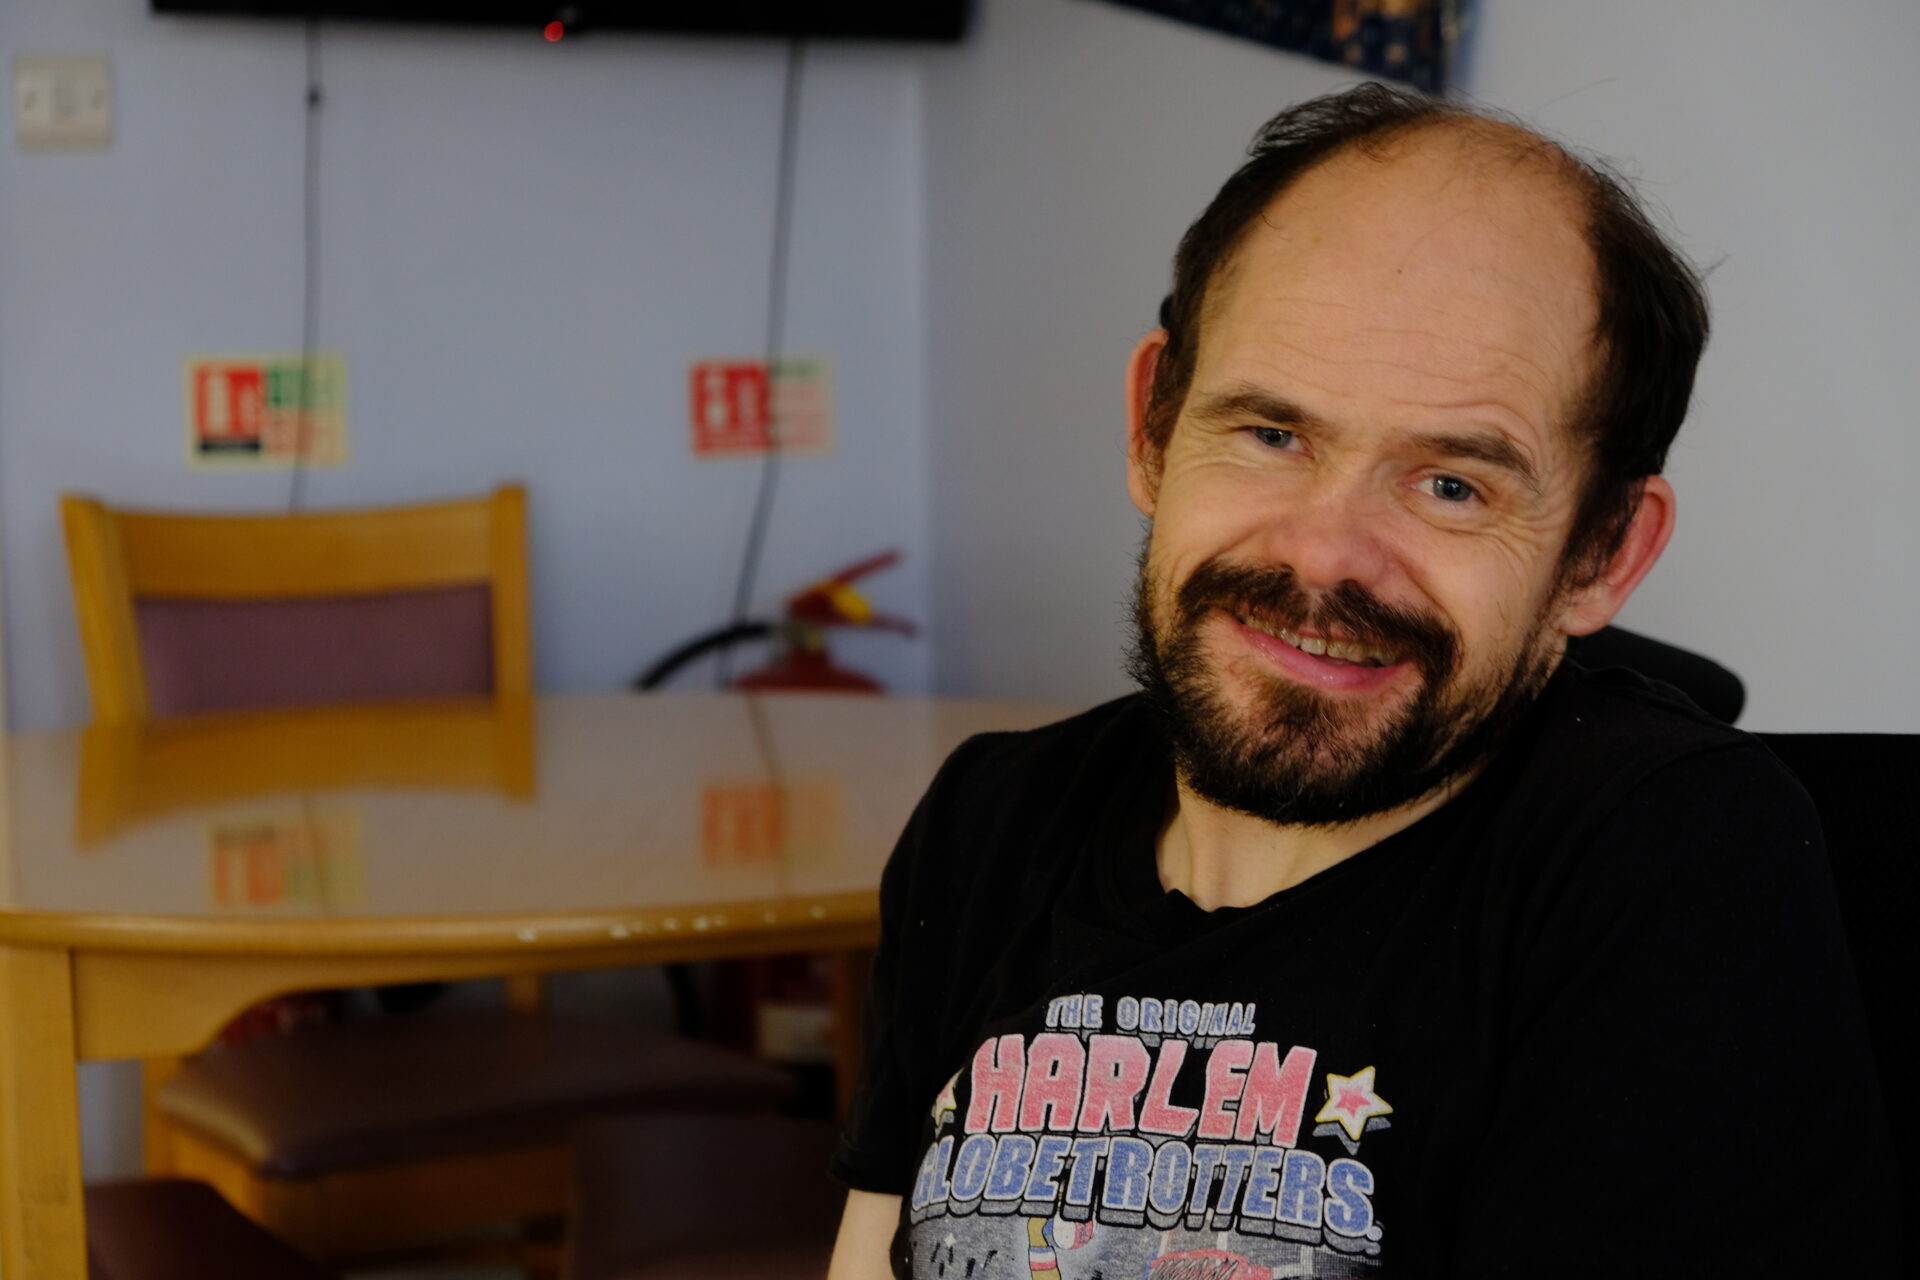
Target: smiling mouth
{"x":1350,"y":652}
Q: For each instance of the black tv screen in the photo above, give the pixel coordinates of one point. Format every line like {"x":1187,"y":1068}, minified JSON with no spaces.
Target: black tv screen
{"x":828,"y":19}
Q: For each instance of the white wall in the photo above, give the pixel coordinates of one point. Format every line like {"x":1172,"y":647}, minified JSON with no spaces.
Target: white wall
{"x":523,"y":246}
{"x":1069,"y":144}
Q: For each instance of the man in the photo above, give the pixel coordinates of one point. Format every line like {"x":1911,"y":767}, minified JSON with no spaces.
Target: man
{"x":1371,"y":939}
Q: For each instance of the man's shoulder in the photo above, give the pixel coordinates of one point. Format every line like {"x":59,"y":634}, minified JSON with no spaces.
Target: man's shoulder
{"x":1609,"y":739}
{"x":1615,"y":719}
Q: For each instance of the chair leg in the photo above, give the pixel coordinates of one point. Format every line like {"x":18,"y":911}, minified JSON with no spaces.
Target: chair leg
{"x":526,"y":993}
{"x":689,"y":1012}
{"x":156,"y":1131}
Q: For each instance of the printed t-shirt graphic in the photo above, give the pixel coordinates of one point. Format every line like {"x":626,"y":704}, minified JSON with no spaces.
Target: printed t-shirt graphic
{"x":1069,"y":1146}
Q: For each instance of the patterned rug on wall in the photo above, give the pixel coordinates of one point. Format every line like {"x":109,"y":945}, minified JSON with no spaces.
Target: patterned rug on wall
{"x":1409,"y":40}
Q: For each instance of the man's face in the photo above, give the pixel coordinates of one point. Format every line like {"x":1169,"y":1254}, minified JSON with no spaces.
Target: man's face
{"x":1351,"y":587}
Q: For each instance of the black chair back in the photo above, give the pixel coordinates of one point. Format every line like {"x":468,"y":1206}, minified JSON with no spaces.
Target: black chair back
{"x":1712,"y":687}
{"x":1864,"y":786}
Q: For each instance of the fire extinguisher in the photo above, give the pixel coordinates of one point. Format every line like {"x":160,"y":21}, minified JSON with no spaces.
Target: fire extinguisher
{"x":803,"y":662}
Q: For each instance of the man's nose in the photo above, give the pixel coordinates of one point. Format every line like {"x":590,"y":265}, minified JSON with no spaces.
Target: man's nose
{"x":1334,"y":532}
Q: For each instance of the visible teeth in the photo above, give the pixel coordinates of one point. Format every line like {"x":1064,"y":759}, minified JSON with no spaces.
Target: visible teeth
{"x":1260,"y":626}
{"x":1319,"y":646}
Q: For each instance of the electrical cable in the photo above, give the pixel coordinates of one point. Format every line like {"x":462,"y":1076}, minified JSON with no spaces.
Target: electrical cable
{"x":310,"y":270}
{"x":776,"y":315}
{"x":721,"y":639}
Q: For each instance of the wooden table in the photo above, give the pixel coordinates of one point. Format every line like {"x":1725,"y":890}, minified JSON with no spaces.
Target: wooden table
{"x":155,"y":879}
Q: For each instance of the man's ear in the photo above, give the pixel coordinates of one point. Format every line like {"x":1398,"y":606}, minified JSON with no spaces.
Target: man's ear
{"x":1143,"y":456}
{"x":1591,"y":605}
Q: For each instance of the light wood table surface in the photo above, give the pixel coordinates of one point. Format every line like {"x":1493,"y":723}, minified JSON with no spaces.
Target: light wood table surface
{"x":155,"y":879}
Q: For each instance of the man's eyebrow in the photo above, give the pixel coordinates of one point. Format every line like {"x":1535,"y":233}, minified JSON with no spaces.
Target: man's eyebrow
{"x":1491,"y":447}
{"x":1248,"y":402}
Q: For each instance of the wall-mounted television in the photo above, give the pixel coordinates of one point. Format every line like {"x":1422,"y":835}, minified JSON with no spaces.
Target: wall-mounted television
{"x":824,"y":19}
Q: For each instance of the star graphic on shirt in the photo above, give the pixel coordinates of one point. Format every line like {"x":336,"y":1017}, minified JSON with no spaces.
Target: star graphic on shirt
{"x":944,"y":1105}
{"x":1351,"y":1102}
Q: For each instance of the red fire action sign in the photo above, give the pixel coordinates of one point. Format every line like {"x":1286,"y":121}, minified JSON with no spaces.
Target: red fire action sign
{"x":734,"y":408}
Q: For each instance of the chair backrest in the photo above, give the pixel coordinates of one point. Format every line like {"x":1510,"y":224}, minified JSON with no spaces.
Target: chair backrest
{"x":181,"y":613}
{"x":1712,"y":687}
{"x":1862,"y":785}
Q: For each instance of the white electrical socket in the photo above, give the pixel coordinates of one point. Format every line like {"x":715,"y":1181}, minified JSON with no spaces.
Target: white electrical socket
{"x":62,"y":103}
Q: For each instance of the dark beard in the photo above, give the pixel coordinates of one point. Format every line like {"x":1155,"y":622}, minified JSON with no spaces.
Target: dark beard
{"x":1300,"y":758}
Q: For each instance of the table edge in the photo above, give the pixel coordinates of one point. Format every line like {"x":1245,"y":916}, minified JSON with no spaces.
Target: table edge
{"x":419,"y":935}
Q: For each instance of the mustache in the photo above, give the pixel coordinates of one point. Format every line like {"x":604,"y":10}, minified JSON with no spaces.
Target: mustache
{"x":1274,"y":596}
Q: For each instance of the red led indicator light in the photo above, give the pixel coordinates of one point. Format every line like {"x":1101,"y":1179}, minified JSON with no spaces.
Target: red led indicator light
{"x":554,"y":31}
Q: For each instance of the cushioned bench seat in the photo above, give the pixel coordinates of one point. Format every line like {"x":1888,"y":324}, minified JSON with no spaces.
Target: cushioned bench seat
{"x":304,"y":1106}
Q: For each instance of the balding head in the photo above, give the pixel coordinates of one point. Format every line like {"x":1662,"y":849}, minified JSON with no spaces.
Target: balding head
{"x":1353,"y":155}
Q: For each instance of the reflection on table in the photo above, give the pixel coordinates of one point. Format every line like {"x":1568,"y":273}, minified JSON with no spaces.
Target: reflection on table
{"x":575,"y":806}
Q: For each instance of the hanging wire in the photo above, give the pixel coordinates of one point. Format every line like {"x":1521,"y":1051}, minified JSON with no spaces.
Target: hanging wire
{"x":776,"y":316}
{"x":310,"y":271}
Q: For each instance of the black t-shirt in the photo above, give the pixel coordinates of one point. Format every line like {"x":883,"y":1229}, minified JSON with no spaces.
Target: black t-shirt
{"x":1594,"y":1016}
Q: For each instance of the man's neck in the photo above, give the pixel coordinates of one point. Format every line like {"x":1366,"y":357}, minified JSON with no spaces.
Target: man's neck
{"x":1222,"y":858}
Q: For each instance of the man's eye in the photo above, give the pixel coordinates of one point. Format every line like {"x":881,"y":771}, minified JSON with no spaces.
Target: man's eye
{"x":1273,"y":437}
{"x":1451,"y":489}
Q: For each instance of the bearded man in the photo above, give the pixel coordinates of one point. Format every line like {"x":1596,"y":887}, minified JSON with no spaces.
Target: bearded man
{"x":1371,"y":938}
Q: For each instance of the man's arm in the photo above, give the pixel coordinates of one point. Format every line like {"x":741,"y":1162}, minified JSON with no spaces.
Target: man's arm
{"x":866,"y":1229}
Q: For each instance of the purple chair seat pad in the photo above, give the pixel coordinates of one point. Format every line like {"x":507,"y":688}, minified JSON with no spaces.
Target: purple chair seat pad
{"x":229,"y":655}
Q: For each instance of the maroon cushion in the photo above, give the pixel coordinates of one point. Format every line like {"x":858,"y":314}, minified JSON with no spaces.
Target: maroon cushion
{"x":702,"y":1197}
{"x":175,"y":1229}
{"x":382,"y":1090}
{"x":218,"y":655}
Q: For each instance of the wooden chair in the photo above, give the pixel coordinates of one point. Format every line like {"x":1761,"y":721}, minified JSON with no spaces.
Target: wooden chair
{"x":187,"y":613}
{"x":376,"y":1137}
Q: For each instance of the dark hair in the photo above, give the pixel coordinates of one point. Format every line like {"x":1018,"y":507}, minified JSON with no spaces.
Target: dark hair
{"x":1652,"y":322}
